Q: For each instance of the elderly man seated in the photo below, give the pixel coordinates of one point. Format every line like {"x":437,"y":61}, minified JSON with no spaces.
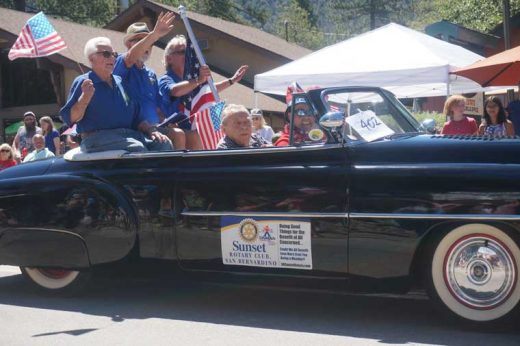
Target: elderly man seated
{"x":238,"y":130}
{"x":102,"y":109}
{"x":40,"y":152}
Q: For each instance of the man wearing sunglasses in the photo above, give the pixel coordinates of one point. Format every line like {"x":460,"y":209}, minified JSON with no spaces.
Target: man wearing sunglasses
{"x":172,"y":85}
{"x":104,"y":113}
{"x":139,"y":79}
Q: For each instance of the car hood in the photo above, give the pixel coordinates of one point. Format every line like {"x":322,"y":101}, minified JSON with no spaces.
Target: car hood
{"x":417,"y":148}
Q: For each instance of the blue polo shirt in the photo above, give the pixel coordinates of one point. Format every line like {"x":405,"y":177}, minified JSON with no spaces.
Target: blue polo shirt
{"x":141,"y":84}
{"x":169,"y":104}
{"x":109,"y":108}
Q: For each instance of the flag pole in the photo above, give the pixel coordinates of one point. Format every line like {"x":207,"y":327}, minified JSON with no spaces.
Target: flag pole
{"x":198,"y":52}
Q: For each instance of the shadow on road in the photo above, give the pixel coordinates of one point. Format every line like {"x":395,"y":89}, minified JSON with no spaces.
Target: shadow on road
{"x":388,"y":320}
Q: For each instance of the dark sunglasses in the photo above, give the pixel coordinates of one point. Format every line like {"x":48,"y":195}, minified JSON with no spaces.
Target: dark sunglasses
{"x":107,"y":54}
{"x":303,"y":113}
{"x":5,"y":151}
{"x":179,"y":52}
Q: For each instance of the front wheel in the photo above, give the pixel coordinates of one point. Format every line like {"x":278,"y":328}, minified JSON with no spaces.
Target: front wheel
{"x":474,"y":273}
{"x":60,"y":281}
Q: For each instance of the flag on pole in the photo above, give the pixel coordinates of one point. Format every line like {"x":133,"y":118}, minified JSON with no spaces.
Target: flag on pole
{"x":208,"y":123}
{"x":201,"y":97}
{"x":38,"y":38}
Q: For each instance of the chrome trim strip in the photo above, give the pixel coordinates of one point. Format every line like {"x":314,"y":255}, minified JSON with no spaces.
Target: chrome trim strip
{"x":482,"y":217}
{"x":231,"y":151}
{"x":435,"y":216}
{"x":262,"y":214}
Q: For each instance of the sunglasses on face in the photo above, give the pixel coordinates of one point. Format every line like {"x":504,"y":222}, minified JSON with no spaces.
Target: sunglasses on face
{"x":4,"y":151}
{"x":303,"y":113}
{"x":107,"y":54}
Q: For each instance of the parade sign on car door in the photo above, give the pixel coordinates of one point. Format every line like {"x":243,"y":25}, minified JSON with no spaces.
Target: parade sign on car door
{"x":266,"y":242}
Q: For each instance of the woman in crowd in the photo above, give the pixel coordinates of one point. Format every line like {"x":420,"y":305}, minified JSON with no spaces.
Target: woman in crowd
{"x":6,"y":156}
{"x":495,"y":123}
{"x":459,"y":124}
{"x":52,"y":136}
{"x":259,"y":126}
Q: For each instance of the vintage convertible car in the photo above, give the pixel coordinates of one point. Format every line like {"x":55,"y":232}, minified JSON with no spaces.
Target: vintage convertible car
{"x":380,"y":206}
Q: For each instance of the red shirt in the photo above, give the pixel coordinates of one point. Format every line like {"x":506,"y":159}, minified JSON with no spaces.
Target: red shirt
{"x":299,"y":137}
{"x":466,"y":126}
{"x":6,"y":164}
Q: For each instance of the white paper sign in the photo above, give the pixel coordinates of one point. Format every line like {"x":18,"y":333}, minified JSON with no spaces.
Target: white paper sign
{"x":368,"y":125}
{"x":262,"y":242}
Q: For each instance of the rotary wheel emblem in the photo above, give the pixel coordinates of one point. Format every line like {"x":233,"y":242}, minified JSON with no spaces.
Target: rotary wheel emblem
{"x":248,"y":230}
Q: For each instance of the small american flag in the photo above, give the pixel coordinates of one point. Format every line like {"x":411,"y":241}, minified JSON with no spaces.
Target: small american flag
{"x":208,"y":125}
{"x":200,"y":97}
{"x":38,"y":38}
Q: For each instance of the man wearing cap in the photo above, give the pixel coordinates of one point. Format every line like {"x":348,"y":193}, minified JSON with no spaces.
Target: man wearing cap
{"x":22,"y":143}
{"x":236,"y":125}
{"x":140,"y":80}
{"x":304,"y":122}
{"x":104,"y":114}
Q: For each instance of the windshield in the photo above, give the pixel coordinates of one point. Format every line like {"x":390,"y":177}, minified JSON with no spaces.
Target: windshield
{"x":370,"y":114}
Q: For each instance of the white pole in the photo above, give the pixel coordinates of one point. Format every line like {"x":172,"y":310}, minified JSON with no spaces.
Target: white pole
{"x":198,"y":52}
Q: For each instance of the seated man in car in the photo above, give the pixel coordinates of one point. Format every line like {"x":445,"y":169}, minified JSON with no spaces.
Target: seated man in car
{"x":238,"y":129}
{"x":104,"y":113}
{"x":304,"y":124}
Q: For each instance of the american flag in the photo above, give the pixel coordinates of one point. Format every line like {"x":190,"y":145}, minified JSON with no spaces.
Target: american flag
{"x":208,"y":125}
{"x":201,"y":97}
{"x":38,"y":38}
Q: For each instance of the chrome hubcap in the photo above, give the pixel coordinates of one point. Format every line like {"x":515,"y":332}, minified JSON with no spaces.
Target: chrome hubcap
{"x":480,"y":272}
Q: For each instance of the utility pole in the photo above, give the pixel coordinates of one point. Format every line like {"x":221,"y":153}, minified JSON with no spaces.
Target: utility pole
{"x":507,"y":15}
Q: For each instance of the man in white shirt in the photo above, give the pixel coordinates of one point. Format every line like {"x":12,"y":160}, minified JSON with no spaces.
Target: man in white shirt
{"x":40,"y":152}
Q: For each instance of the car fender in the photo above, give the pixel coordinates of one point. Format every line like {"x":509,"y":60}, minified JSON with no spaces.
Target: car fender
{"x":54,"y":212}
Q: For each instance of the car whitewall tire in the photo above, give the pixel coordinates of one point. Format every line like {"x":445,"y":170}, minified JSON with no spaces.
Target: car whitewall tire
{"x":56,"y":280}
{"x":475,"y":272}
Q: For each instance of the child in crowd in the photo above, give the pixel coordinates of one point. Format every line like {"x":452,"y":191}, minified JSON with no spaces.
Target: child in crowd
{"x":459,"y":124}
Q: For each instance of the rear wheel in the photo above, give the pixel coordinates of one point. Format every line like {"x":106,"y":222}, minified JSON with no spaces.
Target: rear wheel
{"x":56,"y":280}
{"x":474,"y":273}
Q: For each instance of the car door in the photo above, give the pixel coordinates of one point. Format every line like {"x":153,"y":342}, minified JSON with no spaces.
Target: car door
{"x":278,"y":210}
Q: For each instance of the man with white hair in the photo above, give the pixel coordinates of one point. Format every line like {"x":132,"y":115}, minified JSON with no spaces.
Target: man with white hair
{"x":172,"y":85}
{"x":139,"y":79}
{"x":238,"y":130}
{"x":101,"y":108}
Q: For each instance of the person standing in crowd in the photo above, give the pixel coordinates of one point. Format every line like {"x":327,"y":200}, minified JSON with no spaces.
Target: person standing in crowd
{"x":259,"y":125}
{"x":139,"y":79}
{"x":52,"y":136}
{"x":22,"y":143}
{"x":238,"y":130}
{"x":40,"y":152}
{"x":172,"y":85}
{"x":103,"y":112}
{"x":495,"y":123}
{"x":6,"y":156}
{"x":458,"y":123}
{"x":513,"y":111}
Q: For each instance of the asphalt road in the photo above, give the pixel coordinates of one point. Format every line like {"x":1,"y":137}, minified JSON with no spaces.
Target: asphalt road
{"x":126,"y":311}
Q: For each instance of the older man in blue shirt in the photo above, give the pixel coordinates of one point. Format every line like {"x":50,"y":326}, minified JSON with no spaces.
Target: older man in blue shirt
{"x":104,"y":112}
{"x":140,"y":80}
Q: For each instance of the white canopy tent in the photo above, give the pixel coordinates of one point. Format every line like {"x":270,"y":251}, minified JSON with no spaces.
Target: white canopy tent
{"x":404,"y":61}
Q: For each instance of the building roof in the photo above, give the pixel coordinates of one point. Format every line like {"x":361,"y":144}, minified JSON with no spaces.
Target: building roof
{"x":76,"y":35}
{"x":247,"y":34}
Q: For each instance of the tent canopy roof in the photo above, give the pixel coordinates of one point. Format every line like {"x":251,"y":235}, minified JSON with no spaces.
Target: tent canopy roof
{"x":391,"y":56}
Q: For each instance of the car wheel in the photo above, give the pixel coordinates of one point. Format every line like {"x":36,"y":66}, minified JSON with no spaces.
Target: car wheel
{"x":57,"y":280}
{"x":474,"y":273}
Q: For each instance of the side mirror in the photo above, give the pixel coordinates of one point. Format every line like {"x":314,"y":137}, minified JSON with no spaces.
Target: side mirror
{"x":429,"y":125}
{"x":332,"y":120}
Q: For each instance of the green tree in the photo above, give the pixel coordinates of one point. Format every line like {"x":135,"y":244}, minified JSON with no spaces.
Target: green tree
{"x":299,"y":28}
{"x":91,"y":12}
